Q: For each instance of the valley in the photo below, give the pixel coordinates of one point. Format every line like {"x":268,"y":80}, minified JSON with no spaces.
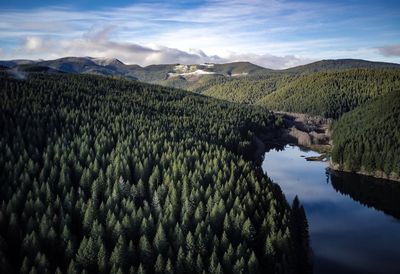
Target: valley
{"x":326,"y":89}
{"x":181,"y":148}
{"x":199,"y":137}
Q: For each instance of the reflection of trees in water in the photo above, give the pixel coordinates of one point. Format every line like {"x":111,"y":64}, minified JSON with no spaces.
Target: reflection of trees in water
{"x":383,"y":195}
{"x":328,"y":175}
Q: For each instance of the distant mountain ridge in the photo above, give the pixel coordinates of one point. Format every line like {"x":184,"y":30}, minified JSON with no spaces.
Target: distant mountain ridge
{"x":340,"y":64}
{"x":327,"y":87}
{"x":168,"y":73}
{"x":151,"y":73}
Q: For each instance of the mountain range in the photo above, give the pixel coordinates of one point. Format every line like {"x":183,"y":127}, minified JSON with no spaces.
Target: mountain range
{"x":172,"y":72}
{"x":114,"y":67}
{"x":328,"y":88}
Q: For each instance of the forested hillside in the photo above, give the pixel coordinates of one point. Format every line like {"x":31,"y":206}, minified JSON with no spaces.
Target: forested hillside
{"x":327,"y":87}
{"x":248,"y":90}
{"x":367,"y":139}
{"x":100,"y":175}
{"x":331,"y":94}
{"x":339,"y":64}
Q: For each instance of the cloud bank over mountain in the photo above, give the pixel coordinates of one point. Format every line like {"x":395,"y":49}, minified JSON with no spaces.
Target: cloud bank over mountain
{"x":100,"y":44}
{"x":390,"y":51}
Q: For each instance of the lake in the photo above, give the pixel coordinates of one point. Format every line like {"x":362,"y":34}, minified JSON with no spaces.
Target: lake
{"x":354,"y":220}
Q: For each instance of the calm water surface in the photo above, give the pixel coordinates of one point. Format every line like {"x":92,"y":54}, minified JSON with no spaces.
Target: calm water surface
{"x":354,"y":220}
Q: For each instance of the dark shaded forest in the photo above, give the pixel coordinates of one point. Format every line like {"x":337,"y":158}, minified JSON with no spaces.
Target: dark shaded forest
{"x":111,"y":176}
{"x":368,"y":138}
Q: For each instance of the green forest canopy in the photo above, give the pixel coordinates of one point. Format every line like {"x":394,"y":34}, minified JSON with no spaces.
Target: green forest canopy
{"x":102,"y":175}
{"x":365,"y":140}
{"x":368,"y":138}
{"x":329,"y":94}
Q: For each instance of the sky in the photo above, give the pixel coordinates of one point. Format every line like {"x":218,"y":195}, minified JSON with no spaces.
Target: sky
{"x":272,"y":33}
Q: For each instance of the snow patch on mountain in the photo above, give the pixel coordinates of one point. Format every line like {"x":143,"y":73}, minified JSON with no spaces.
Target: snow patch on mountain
{"x":104,"y":61}
{"x":191,"y":70}
{"x":192,"y":73}
{"x":208,"y":65}
{"x":239,"y":74}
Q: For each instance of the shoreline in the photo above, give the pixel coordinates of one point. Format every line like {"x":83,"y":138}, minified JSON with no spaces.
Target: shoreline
{"x":378,"y":174}
{"x":313,"y":132}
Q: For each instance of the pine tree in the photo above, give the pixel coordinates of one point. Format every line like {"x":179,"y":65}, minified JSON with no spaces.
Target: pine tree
{"x":118,"y":256}
{"x":88,"y":255}
{"x":169,"y":269}
{"x":146,"y":252}
{"x":160,"y":241}
{"x":89,"y":216}
{"x":159,"y":266}
{"x":25,"y":267}
{"x":72,"y":267}
{"x":239,"y":266}
{"x":299,"y":231}
{"x":141,"y":269}
{"x":102,"y":259}
{"x":199,"y":264}
{"x":189,"y":263}
{"x":252,"y":264}
{"x":248,"y":230}
{"x":180,"y":261}
{"x":190,"y":244}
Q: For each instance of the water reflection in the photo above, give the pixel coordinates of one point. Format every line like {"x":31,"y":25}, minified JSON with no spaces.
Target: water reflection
{"x":349,"y":233}
{"x":380,"y":194}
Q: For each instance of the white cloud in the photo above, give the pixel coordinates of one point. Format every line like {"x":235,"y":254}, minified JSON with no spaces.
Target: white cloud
{"x":33,"y":43}
{"x":390,"y":50}
{"x":270,"y":33}
{"x":270,"y":61}
{"x":99,"y":44}
{"x":216,"y":26}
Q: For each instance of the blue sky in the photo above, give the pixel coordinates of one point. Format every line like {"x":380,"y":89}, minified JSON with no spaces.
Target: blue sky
{"x":271,"y":33}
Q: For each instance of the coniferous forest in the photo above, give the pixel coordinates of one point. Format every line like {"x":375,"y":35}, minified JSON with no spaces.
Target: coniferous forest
{"x":199,"y":137}
{"x":331,"y":94}
{"x":100,"y":175}
{"x":368,"y":138}
{"x":328,"y":93}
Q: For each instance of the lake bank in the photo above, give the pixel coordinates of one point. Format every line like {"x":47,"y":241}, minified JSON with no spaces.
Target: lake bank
{"x":353,"y":219}
{"x":308,"y":131}
{"x":376,"y":173}
{"x":314,"y":132}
